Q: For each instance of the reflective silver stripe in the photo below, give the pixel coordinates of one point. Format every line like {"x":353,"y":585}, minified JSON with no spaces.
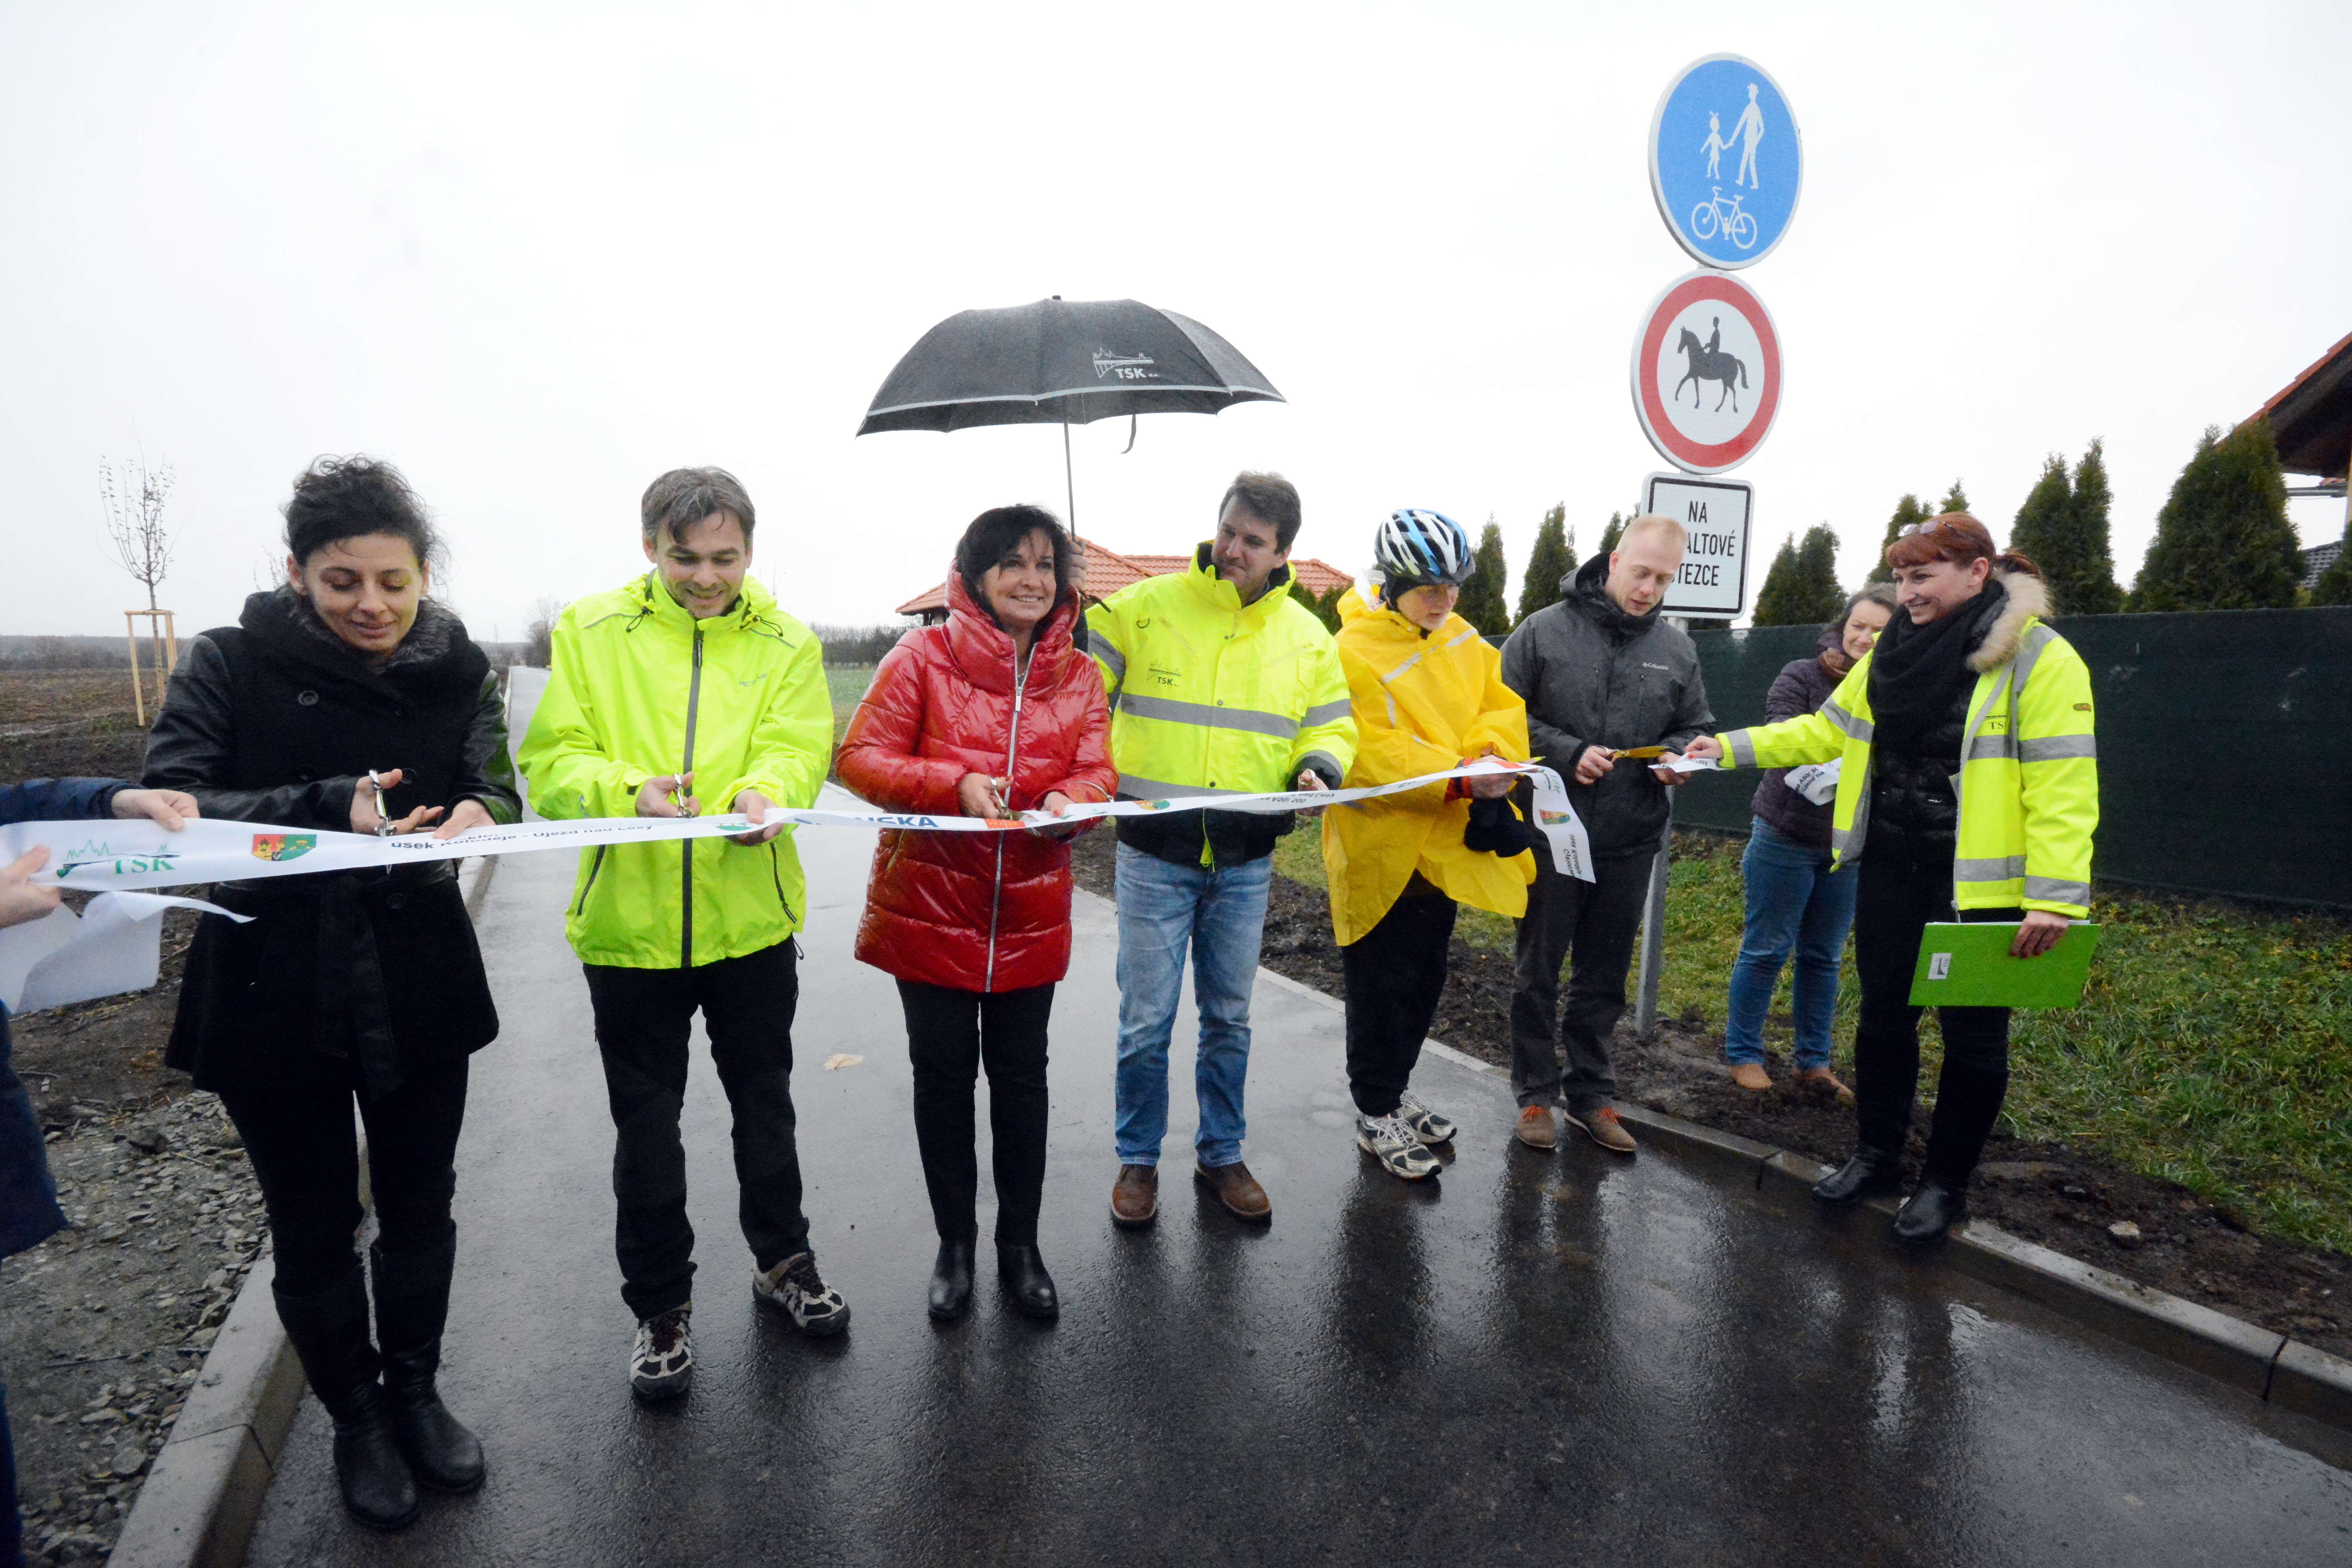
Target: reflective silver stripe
{"x":1110,"y":657}
{"x":1465,"y":638}
{"x":1999,"y":869}
{"x":2053,"y":748}
{"x":1859,"y":729}
{"x":1139,"y":789}
{"x":1741,"y":747}
{"x":1985,"y":746}
{"x":1400,"y":669}
{"x":1325,"y":713}
{"x":1393,"y":712}
{"x":1207,"y":715}
{"x":2028,"y":649}
{"x":1326,"y":759}
{"x":2052,"y":891}
{"x":1845,"y":844}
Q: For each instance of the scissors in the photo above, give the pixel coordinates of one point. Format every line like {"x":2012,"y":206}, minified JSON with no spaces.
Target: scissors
{"x":383,"y":817}
{"x":1638,"y":754}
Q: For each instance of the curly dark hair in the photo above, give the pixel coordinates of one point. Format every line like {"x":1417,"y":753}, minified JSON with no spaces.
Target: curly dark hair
{"x":344,"y":497}
{"x":996,"y":533}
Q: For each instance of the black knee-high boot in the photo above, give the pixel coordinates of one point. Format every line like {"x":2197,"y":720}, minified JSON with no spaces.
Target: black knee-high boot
{"x":329,"y":1331}
{"x":412,"y":1302}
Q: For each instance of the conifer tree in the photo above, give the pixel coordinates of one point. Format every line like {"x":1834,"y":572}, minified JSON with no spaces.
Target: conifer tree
{"x":1482,"y":603}
{"x":2082,"y":576}
{"x":1906,"y":511}
{"x":1612,"y":533}
{"x":1801,"y":588}
{"x":1300,"y":592}
{"x":2223,"y":541}
{"x":1955,"y":500}
{"x":2042,"y":523}
{"x":2334,"y":584}
{"x":1553,"y":558}
{"x":1327,"y":608}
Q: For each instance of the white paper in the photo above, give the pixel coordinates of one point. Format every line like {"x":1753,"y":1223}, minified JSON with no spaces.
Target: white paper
{"x":1817,"y":782}
{"x":115,"y":945}
{"x":1687,"y":764}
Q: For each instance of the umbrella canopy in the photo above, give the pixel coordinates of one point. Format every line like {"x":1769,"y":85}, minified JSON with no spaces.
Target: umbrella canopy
{"x":1062,"y":362}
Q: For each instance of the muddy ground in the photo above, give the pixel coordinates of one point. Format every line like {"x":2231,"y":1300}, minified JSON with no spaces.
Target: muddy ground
{"x":2060,"y":1197}
{"x":104,"y":1328}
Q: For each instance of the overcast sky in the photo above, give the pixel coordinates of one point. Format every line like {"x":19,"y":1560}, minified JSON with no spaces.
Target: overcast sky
{"x":536,"y":255}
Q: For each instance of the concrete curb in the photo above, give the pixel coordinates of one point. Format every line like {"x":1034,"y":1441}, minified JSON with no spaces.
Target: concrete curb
{"x":2270,"y":1366}
{"x":204,"y":1491}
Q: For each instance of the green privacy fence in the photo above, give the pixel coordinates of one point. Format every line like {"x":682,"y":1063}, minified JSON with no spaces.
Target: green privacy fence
{"x":2225,"y":746}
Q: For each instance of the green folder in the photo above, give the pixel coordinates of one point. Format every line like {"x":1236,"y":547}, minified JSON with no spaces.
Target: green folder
{"x":1967,"y":965}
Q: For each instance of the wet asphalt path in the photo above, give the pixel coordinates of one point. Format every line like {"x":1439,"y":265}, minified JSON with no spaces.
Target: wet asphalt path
{"x":1573,"y":1358}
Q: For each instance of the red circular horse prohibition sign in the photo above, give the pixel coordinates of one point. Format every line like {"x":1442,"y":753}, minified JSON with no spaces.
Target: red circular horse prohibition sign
{"x":1706,"y":372}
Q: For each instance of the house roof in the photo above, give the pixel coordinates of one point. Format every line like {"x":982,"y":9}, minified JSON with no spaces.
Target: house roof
{"x":2311,"y":416}
{"x":2319,"y":559}
{"x":1107,"y":570}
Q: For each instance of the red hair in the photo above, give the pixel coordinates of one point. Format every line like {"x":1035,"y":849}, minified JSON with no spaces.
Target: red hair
{"x":1956,"y":537}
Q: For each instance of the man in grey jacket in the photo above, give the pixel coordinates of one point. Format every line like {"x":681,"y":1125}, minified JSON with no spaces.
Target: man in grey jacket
{"x":1602,"y":672}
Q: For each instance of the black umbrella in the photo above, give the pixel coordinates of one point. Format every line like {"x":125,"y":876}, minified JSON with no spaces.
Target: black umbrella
{"x":1063,"y":362}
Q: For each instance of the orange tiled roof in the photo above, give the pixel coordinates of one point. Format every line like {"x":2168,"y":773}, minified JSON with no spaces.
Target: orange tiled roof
{"x":1107,"y":570}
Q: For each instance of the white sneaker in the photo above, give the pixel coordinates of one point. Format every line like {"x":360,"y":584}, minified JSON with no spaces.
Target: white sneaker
{"x":1392,"y":1142}
{"x":1426,"y":1124}
{"x":816,"y":1309}
{"x":662,"y":1364}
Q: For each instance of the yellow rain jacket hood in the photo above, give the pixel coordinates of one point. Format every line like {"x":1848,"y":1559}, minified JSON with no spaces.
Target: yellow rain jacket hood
{"x":2029,"y":764}
{"x":638,"y":688}
{"x":1423,"y":701}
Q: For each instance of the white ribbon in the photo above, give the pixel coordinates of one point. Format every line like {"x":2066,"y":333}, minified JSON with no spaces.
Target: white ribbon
{"x":116,"y":856}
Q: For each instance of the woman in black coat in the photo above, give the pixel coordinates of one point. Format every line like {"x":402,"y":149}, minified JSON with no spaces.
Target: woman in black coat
{"x":356,"y":985}
{"x":1796,"y":903}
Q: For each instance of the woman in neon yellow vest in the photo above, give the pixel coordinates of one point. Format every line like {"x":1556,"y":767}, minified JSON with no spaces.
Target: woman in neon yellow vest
{"x":1969,"y":784}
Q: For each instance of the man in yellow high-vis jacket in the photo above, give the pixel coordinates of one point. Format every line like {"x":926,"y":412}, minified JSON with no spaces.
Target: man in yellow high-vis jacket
{"x":691,"y":685}
{"x":1220,"y":683}
{"x":1968,"y":782}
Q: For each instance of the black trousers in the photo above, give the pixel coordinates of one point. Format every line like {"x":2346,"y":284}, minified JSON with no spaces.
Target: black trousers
{"x":644,"y":1019}
{"x":306,"y":1156}
{"x":1393,"y":975}
{"x":1894,"y":902}
{"x":950,"y":1035}
{"x":1597,"y":921}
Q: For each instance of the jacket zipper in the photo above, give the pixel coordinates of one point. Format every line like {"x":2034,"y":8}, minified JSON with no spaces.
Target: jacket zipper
{"x":776,"y":871}
{"x":596,"y":869}
{"x":1011,"y":760}
{"x":686,"y":869}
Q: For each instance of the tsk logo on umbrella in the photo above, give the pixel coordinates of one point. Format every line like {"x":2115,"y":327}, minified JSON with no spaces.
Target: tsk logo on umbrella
{"x":283,"y":846}
{"x":1127,"y":367}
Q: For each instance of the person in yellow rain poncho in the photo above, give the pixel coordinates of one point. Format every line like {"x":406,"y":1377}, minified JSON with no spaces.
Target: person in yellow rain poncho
{"x":1428,"y":695}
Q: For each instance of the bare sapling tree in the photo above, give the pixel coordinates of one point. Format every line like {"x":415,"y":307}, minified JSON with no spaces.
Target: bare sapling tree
{"x":132,"y":493}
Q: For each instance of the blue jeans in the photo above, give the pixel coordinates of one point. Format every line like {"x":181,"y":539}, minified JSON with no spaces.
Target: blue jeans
{"x":1794,"y":901}
{"x":1221,"y":912}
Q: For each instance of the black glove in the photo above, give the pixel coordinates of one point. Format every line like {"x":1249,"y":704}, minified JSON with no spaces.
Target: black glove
{"x":1498,"y":828}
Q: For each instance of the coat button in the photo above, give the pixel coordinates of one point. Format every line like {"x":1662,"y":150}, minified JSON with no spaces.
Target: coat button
{"x":395,"y":901}
{"x":304,"y":775}
{"x":308,"y":699}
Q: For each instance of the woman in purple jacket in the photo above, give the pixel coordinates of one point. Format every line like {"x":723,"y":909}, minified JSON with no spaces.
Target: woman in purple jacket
{"x":1795,"y":901}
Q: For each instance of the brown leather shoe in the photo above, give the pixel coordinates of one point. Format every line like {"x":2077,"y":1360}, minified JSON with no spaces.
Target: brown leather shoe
{"x":1236,"y":1189}
{"x":1135,"y":1196}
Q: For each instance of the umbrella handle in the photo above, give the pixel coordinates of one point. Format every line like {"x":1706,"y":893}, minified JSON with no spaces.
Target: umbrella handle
{"x":1123,"y":451}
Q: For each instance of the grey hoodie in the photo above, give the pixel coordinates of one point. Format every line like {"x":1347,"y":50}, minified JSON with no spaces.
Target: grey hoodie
{"x":1594,"y":676}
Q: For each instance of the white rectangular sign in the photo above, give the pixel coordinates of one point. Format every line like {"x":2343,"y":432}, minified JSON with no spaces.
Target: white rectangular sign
{"x":1717,"y":514}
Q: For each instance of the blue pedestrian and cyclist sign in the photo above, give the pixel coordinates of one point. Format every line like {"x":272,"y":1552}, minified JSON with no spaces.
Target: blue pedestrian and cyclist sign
{"x":1726,"y":160}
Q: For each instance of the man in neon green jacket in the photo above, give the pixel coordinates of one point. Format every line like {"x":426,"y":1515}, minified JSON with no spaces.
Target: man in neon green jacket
{"x":1968,"y":785}
{"x":688,"y":684}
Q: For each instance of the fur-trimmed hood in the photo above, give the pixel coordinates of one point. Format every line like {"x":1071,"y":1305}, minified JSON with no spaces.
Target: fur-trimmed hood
{"x":2028,"y":599}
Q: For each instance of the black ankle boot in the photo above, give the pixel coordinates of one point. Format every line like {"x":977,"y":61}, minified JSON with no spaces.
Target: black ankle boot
{"x":951,"y":1281}
{"x":1869,"y":1172}
{"x":412,"y":1302}
{"x":1026,"y":1284}
{"x":330,"y":1331}
{"x":1929,"y":1214}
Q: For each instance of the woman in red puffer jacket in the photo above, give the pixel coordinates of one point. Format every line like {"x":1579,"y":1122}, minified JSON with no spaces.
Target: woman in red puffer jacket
{"x":995,"y":713}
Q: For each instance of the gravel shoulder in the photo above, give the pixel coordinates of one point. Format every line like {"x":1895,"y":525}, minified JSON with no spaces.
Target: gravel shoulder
{"x":2063,"y":1197}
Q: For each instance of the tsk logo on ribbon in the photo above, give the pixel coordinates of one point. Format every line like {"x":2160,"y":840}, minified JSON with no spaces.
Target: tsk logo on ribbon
{"x":120,"y":862}
{"x":283,"y":846}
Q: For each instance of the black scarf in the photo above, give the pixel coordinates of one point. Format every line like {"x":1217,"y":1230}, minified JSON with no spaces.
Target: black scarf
{"x":1918,"y":673}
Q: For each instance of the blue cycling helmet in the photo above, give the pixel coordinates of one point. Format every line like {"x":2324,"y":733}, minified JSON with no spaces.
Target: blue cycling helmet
{"x":1417,"y":548}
